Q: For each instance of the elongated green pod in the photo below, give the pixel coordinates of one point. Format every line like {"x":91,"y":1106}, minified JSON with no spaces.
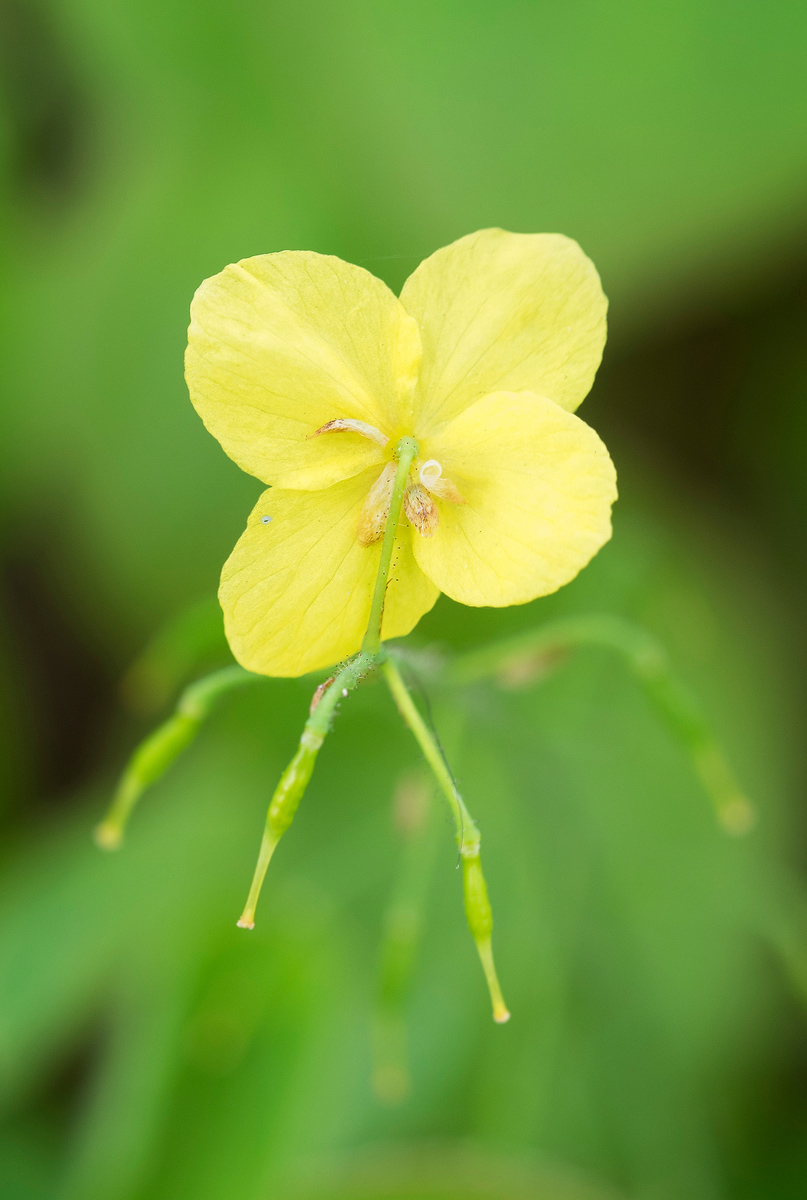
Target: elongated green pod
{"x":477,"y":904}
{"x":295,"y":778}
{"x":161,"y":748}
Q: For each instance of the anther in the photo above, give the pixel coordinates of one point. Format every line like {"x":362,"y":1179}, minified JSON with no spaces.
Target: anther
{"x":420,"y":509}
{"x":375,"y":510}
{"x":348,"y":425}
{"x":432,"y":478}
{"x":430,"y":471}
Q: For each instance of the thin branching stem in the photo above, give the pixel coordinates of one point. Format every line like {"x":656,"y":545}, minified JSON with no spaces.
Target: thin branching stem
{"x":477,"y":904}
{"x":294,"y":779}
{"x":155,"y":755}
{"x":520,"y":660}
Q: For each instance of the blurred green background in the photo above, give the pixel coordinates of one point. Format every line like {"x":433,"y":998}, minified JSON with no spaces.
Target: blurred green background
{"x":656,"y":970}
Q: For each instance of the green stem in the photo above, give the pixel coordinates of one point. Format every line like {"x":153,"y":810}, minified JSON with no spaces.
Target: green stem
{"x":294,"y":779}
{"x":523,"y":659}
{"x":406,"y":450}
{"x":154,"y":756}
{"x":477,"y":904}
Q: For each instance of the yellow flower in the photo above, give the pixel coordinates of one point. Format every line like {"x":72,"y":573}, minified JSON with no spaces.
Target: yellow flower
{"x":309,"y":371}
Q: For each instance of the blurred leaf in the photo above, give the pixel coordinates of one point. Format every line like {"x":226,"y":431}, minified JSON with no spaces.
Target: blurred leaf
{"x":442,"y":1171}
{"x":625,"y":922}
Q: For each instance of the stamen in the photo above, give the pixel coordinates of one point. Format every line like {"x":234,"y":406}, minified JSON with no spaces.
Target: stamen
{"x":375,"y":509}
{"x":348,"y":425}
{"x":431,"y":476}
{"x":420,"y":509}
{"x":430,"y":471}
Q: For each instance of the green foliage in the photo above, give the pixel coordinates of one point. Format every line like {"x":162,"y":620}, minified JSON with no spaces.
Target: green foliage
{"x":625,"y":923}
{"x":149,"y":1050}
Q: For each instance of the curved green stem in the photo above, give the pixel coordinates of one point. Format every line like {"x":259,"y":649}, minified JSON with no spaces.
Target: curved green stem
{"x":406,"y":450}
{"x":294,"y":779}
{"x":154,"y":756}
{"x":521,"y":660}
{"x":477,"y":904}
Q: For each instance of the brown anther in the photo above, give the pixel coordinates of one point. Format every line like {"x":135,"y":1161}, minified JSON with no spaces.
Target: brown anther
{"x":348,"y":425}
{"x":420,"y":509}
{"x":375,"y":509}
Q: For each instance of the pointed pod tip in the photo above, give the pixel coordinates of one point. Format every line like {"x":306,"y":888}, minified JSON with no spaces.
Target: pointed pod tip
{"x":108,"y":837}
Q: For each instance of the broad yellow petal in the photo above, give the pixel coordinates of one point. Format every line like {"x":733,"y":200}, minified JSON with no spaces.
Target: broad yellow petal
{"x":282,"y":344}
{"x":538,"y":485}
{"x":509,"y":312}
{"x":296,"y":590}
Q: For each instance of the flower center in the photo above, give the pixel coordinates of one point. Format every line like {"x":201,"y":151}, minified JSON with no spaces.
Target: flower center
{"x":426,"y":481}
{"x":426,"y":484}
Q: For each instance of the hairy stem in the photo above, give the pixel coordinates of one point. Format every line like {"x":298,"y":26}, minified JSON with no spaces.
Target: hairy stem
{"x":294,"y":779}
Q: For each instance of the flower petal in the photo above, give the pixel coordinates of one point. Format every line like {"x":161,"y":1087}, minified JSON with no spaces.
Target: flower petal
{"x":280,"y":345}
{"x":296,"y":590}
{"x":538,"y":485}
{"x":505,"y":311}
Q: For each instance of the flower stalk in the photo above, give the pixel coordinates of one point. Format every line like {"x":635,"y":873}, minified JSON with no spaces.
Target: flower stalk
{"x":469,"y":841}
{"x":406,"y":451}
{"x":156,"y":754}
{"x":297,"y":774}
